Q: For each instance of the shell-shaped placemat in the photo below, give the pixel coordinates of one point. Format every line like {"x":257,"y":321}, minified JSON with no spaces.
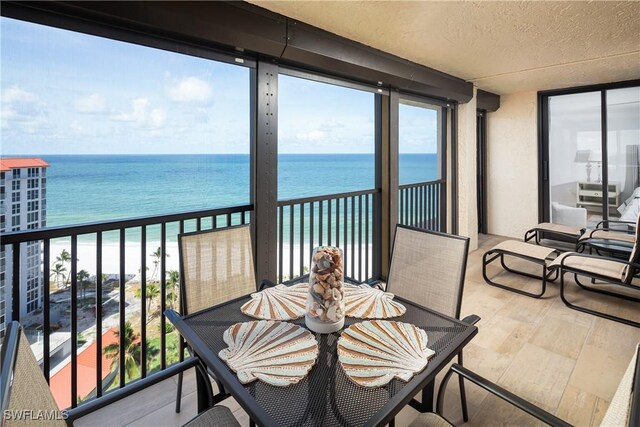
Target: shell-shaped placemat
{"x":274,"y":352}
{"x":374,"y":352}
{"x":278,"y":303}
{"x":365,"y":302}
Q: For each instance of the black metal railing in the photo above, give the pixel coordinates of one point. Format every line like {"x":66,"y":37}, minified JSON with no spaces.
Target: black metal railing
{"x":138,"y":230}
{"x":423,"y":205}
{"x":344,"y":220}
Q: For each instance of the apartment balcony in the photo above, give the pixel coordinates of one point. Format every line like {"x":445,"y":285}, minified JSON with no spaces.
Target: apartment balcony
{"x":511,"y":137}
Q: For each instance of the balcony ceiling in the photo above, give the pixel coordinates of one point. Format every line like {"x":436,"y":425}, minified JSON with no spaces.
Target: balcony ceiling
{"x":502,"y":47}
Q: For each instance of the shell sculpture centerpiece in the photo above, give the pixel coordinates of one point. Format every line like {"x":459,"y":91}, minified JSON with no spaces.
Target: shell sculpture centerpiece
{"x":325,"y":305}
{"x":374,"y":352}
{"x":365,"y":302}
{"x":278,"y":303}
{"x":274,"y":352}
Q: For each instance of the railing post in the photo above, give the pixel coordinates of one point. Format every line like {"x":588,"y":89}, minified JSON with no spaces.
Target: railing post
{"x":264,"y":179}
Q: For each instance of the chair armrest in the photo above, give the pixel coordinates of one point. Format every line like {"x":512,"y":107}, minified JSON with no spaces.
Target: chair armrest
{"x":471,"y":319}
{"x":265,"y":283}
{"x":609,"y":221}
{"x":502,"y":393}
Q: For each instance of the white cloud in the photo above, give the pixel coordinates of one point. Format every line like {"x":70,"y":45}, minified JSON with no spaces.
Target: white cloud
{"x":313,"y":136}
{"x":94,"y":103}
{"x":143,"y":115}
{"x":191,"y":90}
{"x":24,"y":109}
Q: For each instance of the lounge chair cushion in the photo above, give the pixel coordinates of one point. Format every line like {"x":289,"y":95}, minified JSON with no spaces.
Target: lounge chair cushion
{"x":610,"y":235}
{"x":559,"y":228}
{"x":620,"y":407}
{"x":430,"y":420}
{"x":602,"y":266}
{"x":527,"y":249}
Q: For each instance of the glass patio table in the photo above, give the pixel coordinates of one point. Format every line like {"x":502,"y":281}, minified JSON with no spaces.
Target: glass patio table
{"x":326,"y":397}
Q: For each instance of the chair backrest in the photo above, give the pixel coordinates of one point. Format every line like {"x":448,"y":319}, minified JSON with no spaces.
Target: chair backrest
{"x":25,"y":392}
{"x":428,"y":268}
{"x":624,"y":409}
{"x":635,"y":255}
{"x":215,"y":266}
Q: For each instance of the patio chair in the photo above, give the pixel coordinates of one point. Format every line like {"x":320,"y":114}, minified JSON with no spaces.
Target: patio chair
{"x":624,"y":409}
{"x":24,"y":388}
{"x":617,"y":237}
{"x":602,"y":270}
{"x":428,"y":268}
{"x":216,"y":266}
{"x":557,"y":232}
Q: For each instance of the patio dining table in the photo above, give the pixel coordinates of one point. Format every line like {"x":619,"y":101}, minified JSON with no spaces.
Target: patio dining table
{"x":326,"y":396}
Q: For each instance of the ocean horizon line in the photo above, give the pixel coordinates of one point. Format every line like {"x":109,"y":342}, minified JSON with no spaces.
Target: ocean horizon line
{"x":190,"y":154}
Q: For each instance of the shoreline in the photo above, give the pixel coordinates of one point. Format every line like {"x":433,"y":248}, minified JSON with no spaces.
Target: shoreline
{"x":86,"y":256}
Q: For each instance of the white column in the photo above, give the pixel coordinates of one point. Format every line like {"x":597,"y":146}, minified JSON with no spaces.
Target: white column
{"x":467,"y":182}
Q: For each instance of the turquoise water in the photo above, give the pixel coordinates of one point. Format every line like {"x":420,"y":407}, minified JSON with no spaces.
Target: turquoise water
{"x":93,"y":188}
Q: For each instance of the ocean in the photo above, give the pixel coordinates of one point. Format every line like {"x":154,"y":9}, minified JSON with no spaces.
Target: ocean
{"x":93,"y":188}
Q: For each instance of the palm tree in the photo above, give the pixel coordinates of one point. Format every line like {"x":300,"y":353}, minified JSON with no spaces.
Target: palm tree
{"x":131,"y":351}
{"x":153,"y":291}
{"x":157,"y":255}
{"x":83,"y":280}
{"x":173,"y":280}
{"x":58,"y":273}
{"x":62,"y":259}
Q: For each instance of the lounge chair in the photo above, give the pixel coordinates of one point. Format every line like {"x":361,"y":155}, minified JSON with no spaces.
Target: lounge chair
{"x":617,"y":237}
{"x":599,"y":269}
{"x":556,"y":232}
{"x":624,"y":409}
{"x":538,"y":255}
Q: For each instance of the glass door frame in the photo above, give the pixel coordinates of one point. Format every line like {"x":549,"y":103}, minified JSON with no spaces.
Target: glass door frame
{"x":544,"y":193}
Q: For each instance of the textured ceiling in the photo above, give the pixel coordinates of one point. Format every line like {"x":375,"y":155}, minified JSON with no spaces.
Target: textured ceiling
{"x":503,"y":47}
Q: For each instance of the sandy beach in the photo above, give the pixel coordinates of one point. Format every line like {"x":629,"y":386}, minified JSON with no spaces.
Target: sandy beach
{"x":111,"y":257}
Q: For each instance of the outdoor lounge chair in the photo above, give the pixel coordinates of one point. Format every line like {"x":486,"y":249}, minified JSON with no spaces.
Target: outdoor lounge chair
{"x":539,"y":255}
{"x":613,"y":237}
{"x":26,"y":393}
{"x":598,"y":269}
{"x":428,"y":268}
{"x":624,"y":409}
{"x":216,"y":266}
{"x":557,"y":232}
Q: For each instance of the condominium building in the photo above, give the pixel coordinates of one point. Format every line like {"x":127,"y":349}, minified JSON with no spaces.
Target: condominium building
{"x":23,"y":206}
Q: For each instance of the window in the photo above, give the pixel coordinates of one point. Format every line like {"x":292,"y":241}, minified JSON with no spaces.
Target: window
{"x":15,"y":209}
{"x":109,"y":116}
{"x":419,"y":142}
{"x":326,"y":138}
{"x":16,"y":173}
{"x":15,"y":185}
{"x":15,"y":220}
{"x":15,"y":197}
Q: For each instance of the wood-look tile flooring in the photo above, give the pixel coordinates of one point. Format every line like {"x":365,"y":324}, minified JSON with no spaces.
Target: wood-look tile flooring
{"x":564,"y":361}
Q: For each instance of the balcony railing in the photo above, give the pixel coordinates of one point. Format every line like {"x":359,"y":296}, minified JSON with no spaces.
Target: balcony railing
{"x":137,"y":229}
{"x":343,"y":220}
{"x":346,"y":220}
{"x":421,"y":205}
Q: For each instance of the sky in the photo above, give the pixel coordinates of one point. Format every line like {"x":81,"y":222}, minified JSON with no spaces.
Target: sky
{"x":71,"y":93}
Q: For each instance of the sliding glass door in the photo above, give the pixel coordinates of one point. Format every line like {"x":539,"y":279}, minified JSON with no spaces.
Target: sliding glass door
{"x":590,"y":168}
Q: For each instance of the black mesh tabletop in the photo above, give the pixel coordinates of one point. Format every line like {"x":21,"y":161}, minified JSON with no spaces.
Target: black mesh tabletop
{"x":326,"y":397}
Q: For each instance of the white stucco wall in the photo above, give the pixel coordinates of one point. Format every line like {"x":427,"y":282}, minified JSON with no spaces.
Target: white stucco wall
{"x":512,"y":166}
{"x":467,"y":181}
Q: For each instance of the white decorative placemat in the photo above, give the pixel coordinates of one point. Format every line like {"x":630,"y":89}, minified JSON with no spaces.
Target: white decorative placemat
{"x":366,"y":302}
{"x":374,"y":352}
{"x":276,"y":353}
{"x":278,"y":303}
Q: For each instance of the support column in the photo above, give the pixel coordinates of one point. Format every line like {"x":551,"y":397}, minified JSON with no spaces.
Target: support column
{"x":388,"y":173}
{"x":264,"y":168}
{"x":467,"y":179}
